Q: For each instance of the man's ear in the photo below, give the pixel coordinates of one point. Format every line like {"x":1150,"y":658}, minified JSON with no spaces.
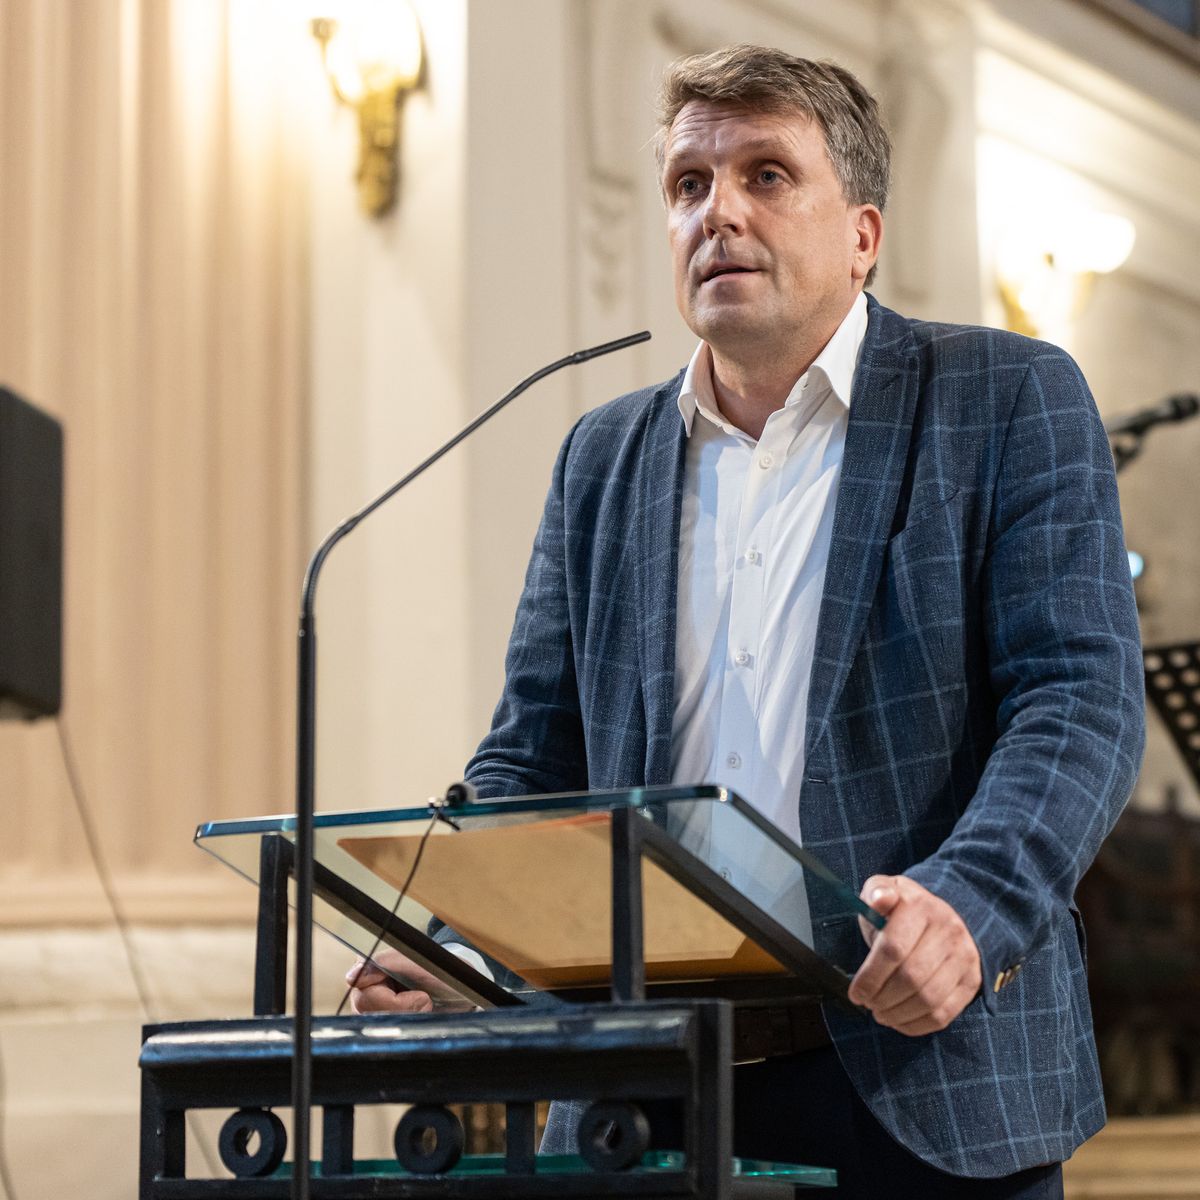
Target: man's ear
{"x":868,"y":238}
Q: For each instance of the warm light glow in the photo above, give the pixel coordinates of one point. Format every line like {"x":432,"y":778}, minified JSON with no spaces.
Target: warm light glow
{"x":1049,"y":238}
{"x":374,"y":44}
{"x":1090,"y":241}
{"x":342,"y":65}
{"x":1046,"y":266}
{"x":371,"y":50}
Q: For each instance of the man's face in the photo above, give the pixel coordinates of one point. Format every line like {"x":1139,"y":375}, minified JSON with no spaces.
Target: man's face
{"x":766,"y":249}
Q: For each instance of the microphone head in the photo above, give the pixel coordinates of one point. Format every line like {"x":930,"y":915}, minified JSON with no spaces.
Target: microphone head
{"x":460,"y":794}
{"x":1184,"y":406}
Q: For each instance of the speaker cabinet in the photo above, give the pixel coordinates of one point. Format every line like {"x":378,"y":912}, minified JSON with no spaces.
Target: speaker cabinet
{"x":31,"y":541}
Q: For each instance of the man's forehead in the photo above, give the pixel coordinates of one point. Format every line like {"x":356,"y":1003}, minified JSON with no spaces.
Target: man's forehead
{"x":700,"y":121}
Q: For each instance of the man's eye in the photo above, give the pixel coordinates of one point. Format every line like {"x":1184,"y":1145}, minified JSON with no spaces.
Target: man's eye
{"x":766,"y":175}
{"x":687,"y":186}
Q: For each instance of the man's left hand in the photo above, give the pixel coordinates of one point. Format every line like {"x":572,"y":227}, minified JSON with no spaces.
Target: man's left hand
{"x":923,"y":968}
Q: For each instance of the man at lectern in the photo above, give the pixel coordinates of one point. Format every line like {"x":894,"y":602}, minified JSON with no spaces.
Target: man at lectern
{"x":869,"y":572}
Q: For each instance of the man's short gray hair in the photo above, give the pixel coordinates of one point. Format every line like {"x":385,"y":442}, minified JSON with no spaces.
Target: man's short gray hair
{"x":768,"y":80}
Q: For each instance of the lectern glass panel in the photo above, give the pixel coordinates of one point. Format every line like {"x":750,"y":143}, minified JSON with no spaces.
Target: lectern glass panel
{"x":528,"y":881}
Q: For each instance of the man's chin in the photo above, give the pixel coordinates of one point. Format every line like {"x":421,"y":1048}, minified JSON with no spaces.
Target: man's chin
{"x":741,"y":324}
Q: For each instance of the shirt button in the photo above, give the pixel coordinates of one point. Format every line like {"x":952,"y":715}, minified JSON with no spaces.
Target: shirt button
{"x":741,"y":658}
{"x":765,"y":461}
{"x":725,"y":873}
{"x":734,"y":760}
{"x":752,"y":557}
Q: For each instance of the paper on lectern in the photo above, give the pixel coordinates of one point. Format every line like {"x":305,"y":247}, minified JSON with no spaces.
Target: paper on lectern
{"x":537,"y":898}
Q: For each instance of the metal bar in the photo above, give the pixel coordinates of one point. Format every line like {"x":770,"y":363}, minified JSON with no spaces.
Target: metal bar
{"x":270,"y":954}
{"x":630,"y":1051}
{"x":520,"y":1136}
{"x":302,"y":993}
{"x":348,"y":900}
{"x":675,"y":1185}
{"x":709,"y":1132}
{"x":628,"y":931}
{"x":337,"y":1139}
{"x":163,"y":1140}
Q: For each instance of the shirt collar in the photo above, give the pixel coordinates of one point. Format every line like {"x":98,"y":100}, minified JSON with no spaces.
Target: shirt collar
{"x":836,"y":364}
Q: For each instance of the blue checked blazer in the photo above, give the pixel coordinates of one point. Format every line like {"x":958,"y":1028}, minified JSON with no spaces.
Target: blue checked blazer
{"x":975,"y":714}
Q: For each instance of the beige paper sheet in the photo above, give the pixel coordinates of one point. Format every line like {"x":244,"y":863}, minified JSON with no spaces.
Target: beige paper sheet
{"x":536,"y":897}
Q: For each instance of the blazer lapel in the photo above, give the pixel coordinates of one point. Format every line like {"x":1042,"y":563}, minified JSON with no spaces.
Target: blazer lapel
{"x":659,"y":504}
{"x":882,"y":405}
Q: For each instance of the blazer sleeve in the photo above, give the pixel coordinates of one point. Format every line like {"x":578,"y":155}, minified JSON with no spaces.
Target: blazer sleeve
{"x":1065,"y":669}
{"x":536,"y":742}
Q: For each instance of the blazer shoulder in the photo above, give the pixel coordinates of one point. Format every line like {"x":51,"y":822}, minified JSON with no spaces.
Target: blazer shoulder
{"x":633,"y":407}
{"x":967,"y":347}
{"x":626,"y":421}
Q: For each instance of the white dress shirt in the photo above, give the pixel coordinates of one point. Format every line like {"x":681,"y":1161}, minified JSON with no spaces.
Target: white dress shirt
{"x":753,"y":545}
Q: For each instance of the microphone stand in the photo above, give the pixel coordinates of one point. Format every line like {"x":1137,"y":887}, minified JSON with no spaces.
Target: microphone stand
{"x":1127,"y":434}
{"x":306,"y":708}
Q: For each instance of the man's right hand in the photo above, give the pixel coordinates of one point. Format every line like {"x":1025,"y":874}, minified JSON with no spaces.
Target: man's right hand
{"x":373,"y":988}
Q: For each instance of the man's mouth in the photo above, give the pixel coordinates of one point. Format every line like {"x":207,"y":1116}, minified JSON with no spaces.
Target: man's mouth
{"x":719,"y":272}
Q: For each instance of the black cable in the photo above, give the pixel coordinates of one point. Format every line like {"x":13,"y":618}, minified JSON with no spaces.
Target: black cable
{"x":6,"y":1183}
{"x":101,"y":868}
{"x":100,"y":864}
{"x":435,"y":817}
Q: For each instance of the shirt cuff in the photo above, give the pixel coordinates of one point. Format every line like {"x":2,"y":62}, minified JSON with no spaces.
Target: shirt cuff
{"x":471,"y":957}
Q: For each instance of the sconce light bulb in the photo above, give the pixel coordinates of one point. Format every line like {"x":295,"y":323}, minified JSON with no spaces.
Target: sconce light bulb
{"x":396,"y":44}
{"x":1091,"y":242}
{"x":342,"y":65}
{"x":1113,"y":238}
{"x":371,"y":51}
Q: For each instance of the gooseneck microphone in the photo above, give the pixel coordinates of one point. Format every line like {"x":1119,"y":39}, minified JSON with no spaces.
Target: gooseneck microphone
{"x":306,"y":759}
{"x":1173,"y":408}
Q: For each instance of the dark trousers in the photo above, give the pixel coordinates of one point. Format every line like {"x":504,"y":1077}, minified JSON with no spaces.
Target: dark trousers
{"x":803,"y":1109}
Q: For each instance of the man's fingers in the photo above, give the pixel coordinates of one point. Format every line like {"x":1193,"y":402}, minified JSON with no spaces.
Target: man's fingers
{"x":381,"y":998}
{"x":930,"y":969}
{"x":911,"y":1004}
{"x":889,"y":951}
{"x":912,"y":976}
{"x":940,"y":1017}
{"x":923,"y":968}
{"x":364,"y":974}
{"x":391,"y":964}
{"x":881,"y":893}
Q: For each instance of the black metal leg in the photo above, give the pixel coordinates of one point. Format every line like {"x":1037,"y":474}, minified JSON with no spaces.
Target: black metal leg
{"x":709,"y":1134}
{"x":163,"y":1138}
{"x":628,"y":951}
{"x":337,"y":1139}
{"x":270,"y":958}
{"x":520,"y":1134}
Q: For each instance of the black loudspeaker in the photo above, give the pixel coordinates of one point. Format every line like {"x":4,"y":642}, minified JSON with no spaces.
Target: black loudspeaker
{"x":31,"y":542}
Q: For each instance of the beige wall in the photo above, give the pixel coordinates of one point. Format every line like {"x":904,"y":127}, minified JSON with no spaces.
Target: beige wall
{"x":150,"y":225}
{"x":243,"y":359}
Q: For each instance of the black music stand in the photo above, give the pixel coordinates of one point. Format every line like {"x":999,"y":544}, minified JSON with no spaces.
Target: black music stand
{"x":1173,"y":685}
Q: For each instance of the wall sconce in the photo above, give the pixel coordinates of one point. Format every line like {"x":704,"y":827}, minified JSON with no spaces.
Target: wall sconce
{"x":372,"y":57}
{"x":1046,"y":272}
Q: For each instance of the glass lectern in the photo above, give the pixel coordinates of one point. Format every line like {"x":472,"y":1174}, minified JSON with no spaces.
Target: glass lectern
{"x":620,"y":929}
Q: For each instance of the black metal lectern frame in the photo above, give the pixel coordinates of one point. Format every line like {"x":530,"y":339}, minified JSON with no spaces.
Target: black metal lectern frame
{"x":615,"y":1053}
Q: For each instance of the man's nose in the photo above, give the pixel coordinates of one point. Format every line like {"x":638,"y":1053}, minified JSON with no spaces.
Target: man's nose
{"x":724,"y":210}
